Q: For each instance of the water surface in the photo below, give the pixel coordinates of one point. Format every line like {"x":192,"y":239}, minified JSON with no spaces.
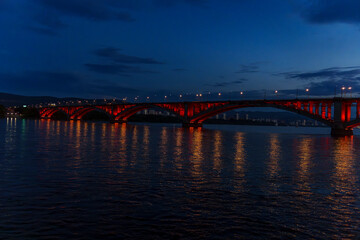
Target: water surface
{"x":78,"y":180}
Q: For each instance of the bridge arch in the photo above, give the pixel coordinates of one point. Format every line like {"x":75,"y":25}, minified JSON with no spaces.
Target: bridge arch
{"x":126,"y":114}
{"x":56,"y":111}
{"x":202,"y":116}
{"x":80,"y":113}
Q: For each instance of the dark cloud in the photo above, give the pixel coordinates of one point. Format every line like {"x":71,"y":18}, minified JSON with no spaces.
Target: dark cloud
{"x":117,"y":69}
{"x":49,"y":18}
{"x":42,"y":30}
{"x":335,"y":73}
{"x":61,"y":84}
{"x":331,"y":11}
{"x":252,"y":68}
{"x":114,"y":55}
{"x":179,"y":69}
{"x":224,"y":84}
{"x":91,"y":9}
{"x":170,"y":3}
{"x":37,"y":81}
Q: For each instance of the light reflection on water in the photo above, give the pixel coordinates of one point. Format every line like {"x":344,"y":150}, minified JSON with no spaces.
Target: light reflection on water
{"x":94,"y":180}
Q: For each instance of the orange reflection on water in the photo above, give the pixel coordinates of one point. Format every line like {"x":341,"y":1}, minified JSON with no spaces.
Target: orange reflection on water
{"x":344,"y":180}
{"x":134,"y":145}
{"x":163,"y":146}
{"x":146,"y":141}
{"x":240,"y":154}
{"x":274,"y":155}
{"x":217,"y":152}
{"x":178,"y":148}
{"x":196,"y":153}
{"x":240,"y":159}
{"x":305,"y":151}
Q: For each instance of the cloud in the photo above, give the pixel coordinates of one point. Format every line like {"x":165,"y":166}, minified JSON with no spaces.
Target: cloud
{"x":90,"y":9}
{"x":114,"y":55}
{"x":252,"y":68}
{"x":179,"y":70}
{"x":328,"y":81}
{"x":167,"y":3}
{"x":38,"y":81}
{"x":49,"y":14}
{"x":117,"y":69}
{"x":60,"y":84}
{"x":332,"y":11}
{"x":335,"y":73}
{"x":224,"y":84}
{"x":42,"y":30}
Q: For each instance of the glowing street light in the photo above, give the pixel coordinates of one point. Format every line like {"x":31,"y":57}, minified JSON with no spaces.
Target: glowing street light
{"x":219,"y":94}
{"x":349,"y":88}
{"x":342,"y":90}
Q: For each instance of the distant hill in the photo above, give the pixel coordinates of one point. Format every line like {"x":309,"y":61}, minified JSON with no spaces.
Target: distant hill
{"x":8,"y":99}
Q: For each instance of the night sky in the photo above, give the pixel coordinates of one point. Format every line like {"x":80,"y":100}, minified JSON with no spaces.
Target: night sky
{"x":125,"y":48}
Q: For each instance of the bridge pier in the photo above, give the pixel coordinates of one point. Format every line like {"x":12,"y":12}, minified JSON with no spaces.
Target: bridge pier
{"x":341,"y":132}
{"x":118,"y":121}
{"x":188,"y":125}
{"x":342,"y":114}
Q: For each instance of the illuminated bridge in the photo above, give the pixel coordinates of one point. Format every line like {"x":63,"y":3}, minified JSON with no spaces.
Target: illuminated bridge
{"x":341,"y":114}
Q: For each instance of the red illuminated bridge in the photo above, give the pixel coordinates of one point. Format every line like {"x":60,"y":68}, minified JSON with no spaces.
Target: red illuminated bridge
{"x":341,"y":114}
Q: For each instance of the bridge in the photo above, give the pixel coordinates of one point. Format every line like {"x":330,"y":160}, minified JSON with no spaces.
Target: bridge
{"x":334,"y":112}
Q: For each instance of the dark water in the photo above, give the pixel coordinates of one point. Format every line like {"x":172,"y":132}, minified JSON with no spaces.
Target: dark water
{"x":72,"y":180}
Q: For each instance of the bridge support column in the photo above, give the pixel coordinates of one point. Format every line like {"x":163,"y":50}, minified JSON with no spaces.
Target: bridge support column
{"x":340,"y":132}
{"x":340,"y":117}
{"x":118,"y":121}
{"x":189,"y":124}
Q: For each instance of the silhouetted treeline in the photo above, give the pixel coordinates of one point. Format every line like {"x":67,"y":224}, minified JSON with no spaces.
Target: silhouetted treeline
{"x":28,"y":112}
{"x":2,"y":111}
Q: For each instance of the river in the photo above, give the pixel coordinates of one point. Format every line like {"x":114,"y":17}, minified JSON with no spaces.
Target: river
{"x":83,"y":180}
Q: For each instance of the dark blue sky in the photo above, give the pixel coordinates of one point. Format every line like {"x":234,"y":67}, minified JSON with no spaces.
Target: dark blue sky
{"x":118,"y":48}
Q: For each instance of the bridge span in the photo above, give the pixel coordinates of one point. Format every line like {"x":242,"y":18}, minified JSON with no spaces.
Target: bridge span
{"x":341,"y":114}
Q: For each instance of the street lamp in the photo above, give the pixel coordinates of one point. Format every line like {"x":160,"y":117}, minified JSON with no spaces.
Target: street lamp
{"x":276,"y":92}
{"x":342,"y":90}
{"x":349,"y":88}
{"x":307,"y":91}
